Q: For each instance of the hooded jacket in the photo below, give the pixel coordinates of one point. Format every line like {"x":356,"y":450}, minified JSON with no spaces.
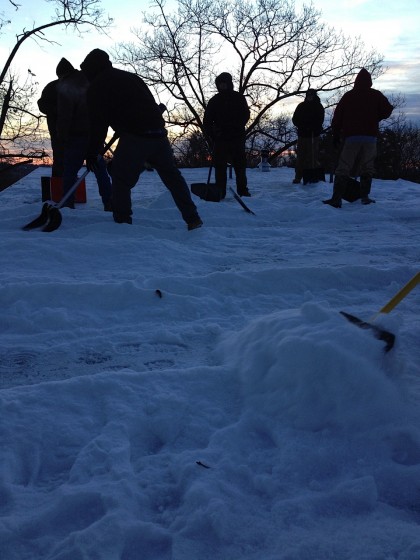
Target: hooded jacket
{"x":47,"y":103}
{"x":72,"y":113}
{"x":118,"y":99}
{"x":361,"y":109}
{"x":308,"y":117}
{"x":227,"y":112}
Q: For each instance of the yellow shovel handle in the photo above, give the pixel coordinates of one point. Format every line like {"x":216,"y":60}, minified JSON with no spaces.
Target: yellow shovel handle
{"x":401,"y":294}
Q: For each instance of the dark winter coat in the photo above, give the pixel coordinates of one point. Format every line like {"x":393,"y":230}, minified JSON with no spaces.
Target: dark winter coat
{"x":47,"y":103}
{"x":118,"y":99}
{"x":360,"y":110}
{"x":308,"y":118}
{"x":72,"y":113}
{"x":226,"y":113}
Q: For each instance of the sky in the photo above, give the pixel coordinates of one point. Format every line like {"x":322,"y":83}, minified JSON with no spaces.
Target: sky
{"x":389,"y":27}
{"x":176,"y":395}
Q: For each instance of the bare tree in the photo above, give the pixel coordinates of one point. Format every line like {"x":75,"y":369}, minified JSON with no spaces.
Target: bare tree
{"x":17,"y":119}
{"x":398,"y":145}
{"x":273,"y":52}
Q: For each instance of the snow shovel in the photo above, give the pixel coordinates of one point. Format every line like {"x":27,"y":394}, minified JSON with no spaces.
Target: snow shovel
{"x":241,"y":202}
{"x":352,"y":192}
{"x":50,"y":217}
{"x":207,"y":191}
{"x":382,"y":334}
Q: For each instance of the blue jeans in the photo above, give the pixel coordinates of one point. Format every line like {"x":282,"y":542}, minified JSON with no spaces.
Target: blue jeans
{"x":74,"y":156}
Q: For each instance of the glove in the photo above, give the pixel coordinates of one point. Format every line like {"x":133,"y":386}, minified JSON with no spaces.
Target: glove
{"x":92,"y":163}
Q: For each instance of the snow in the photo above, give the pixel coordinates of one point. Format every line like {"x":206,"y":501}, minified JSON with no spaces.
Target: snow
{"x":239,"y":416}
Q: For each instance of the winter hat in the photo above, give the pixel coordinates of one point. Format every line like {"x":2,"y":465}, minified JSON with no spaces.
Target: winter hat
{"x":363,"y":79}
{"x":64,"y":67}
{"x":224,"y":78}
{"x":96,"y":61}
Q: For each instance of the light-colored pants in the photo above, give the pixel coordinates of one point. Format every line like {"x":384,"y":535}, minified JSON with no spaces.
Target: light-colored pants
{"x":357,"y":159}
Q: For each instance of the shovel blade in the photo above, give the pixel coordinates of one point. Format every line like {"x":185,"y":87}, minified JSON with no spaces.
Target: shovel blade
{"x":49,"y":220}
{"x":54,"y":219}
{"x":380,"y":334}
{"x":207,"y":191}
{"x":40,"y":220}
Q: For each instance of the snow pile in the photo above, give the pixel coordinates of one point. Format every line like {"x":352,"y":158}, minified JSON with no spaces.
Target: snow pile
{"x":237,"y":416}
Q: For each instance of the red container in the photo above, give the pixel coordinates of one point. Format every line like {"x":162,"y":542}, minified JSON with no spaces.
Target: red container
{"x":52,"y":189}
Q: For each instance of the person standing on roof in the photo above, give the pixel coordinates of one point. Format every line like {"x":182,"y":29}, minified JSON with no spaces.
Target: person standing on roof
{"x":73,"y":133}
{"x":356,"y":122}
{"x":224,"y":123}
{"x":47,"y":104}
{"x":308,"y":118}
{"x":122,"y":100}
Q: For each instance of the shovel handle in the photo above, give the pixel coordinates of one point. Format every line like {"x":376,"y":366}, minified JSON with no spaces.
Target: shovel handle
{"x":71,"y":190}
{"x":80,"y":179}
{"x":401,"y":294}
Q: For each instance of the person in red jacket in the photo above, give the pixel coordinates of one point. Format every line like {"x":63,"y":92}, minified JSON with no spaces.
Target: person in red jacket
{"x":356,"y":122}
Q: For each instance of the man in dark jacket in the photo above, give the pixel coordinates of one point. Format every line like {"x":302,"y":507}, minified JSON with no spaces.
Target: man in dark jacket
{"x":121,"y":100}
{"x":72,"y":129}
{"x":308,"y":119}
{"x":47,"y":104}
{"x":224,"y":123}
{"x":356,"y":122}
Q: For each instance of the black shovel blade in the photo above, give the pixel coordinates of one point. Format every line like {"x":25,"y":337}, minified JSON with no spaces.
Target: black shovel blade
{"x":352,"y":192}
{"x":41,"y":220}
{"x":206,"y":191}
{"x":380,"y":334}
{"x":54,"y":219}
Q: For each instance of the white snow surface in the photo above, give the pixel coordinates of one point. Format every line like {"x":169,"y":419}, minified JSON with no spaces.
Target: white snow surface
{"x":239,"y":416}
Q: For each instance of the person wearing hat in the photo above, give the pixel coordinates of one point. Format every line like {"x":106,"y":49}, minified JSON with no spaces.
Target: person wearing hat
{"x":63,"y":103}
{"x":308,"y":118}
{"x":73,"y":133}
{"x":122,"y":100}
{"x":47,"y":104}
{"x":356,"y":122}
{"x":224,"y":122}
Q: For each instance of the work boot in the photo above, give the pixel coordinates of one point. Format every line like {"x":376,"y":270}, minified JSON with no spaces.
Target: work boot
{"x":243,"y":192}
{"x":340,"y":185}
{"x":195,"y":224}
{"x":107,"y":205}
{"x":365,"y":186}
{"x":122,"y":218}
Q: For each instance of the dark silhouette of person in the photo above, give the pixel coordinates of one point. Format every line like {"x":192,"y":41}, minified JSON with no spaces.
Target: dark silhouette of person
{"x":224,"y":122}
{"x":47,"y":104}
{"x":308,"y":119}
{"x":356,"y":122}
{"x":122,"y":100}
